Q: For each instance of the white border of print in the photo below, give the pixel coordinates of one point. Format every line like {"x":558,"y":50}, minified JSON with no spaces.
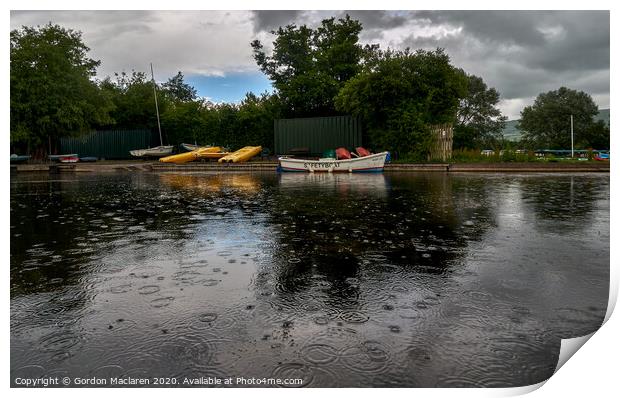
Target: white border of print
{"x":592,"y":371}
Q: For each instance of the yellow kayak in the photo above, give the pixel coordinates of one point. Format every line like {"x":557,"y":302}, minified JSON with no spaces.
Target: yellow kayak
{"x":190,"y":156}
{"x":242,"y":155}
{"x":213,"y":155}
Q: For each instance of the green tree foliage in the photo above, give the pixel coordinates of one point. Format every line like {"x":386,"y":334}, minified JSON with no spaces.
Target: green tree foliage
{"x":479,"y":122}
{"x":134,"y":101}
{"x":231,"y":125}
{"x":185,"y":122}
{"x":308,"y":67}
{"x":596,"y":137}
{"x":53,"y":93}
{"x":546,"y":123}
{"x":400,"y":94}
{"x":177,"y":90}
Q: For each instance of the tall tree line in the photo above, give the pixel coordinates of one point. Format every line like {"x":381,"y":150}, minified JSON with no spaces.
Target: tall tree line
{"x":320,"y":71}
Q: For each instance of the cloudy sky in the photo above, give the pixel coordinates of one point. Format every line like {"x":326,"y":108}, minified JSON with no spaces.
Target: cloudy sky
{"x":521,"y":53}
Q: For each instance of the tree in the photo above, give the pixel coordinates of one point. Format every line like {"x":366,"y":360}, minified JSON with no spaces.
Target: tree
{"x":178,"y":90}
{"x":53,"y":92}
{"x":479,"y":121}
{"x":308,"y":67}
{"x":134,"y":100}
{"x":546,"y":123}
{"x":185,"y":122}
{"x":400,"y":94}
{"x":596,"y":137}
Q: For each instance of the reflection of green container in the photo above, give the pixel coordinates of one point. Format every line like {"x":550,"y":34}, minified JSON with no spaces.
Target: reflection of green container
{"x":330,"y":153}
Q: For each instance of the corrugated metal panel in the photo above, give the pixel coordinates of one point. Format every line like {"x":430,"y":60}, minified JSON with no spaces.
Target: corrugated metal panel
{"x":317,"y":133}
{"x":107,"y":144}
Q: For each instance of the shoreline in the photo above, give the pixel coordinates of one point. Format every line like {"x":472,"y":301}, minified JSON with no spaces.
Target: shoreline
{"x":154,"y":166}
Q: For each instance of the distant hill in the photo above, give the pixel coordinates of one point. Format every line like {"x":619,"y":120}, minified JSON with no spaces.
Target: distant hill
{"x":511,"y":132}
{"x":603,"y":114}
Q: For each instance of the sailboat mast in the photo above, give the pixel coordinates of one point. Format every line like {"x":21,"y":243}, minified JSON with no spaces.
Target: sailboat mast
{"x":161,"y":141}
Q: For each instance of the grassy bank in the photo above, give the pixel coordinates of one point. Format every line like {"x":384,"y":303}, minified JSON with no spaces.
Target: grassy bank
{"x":475,"y":156}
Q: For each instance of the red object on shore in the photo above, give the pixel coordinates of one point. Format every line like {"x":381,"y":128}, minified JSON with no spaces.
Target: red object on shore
{"x":343,"y":153}
{"x":69,"y":159}
{"x":362,"y":151}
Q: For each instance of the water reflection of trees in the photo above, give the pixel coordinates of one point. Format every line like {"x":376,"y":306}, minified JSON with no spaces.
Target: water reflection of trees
{"x":562,"y":203}
{"x":334,"y":229}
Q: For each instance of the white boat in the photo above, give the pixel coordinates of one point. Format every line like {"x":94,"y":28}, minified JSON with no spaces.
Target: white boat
{"x":370,"y":163}
{"x":158,"y":151}
{"x":155,"y":152}
{"x":189,"y":147}
{"x":58,"y":157}
{"x":192,"y":147}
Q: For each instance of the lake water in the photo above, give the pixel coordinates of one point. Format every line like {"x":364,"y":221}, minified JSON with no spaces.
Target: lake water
{"x":410,"y":280}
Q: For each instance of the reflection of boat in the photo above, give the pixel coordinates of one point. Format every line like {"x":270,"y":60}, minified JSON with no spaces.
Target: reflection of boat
{"x":58,"y":157}
{"x":155,"y":152}
{"x":15,"y":158}
{"x":374,"y":162}
{"x":214,"y":152}
{"x":244,"y":183}
{"x":366,"y":184}
{"x":242,"y":155}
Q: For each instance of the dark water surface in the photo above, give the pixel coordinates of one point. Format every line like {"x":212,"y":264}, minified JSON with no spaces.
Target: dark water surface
{"x":414,"y":280}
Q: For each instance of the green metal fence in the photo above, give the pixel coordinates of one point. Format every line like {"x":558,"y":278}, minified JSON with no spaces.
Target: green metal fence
{"x":317,"y":134}
{"x":107,"y":144}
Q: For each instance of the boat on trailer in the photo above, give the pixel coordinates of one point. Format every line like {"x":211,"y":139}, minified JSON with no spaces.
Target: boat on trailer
{"x":369,"y":163}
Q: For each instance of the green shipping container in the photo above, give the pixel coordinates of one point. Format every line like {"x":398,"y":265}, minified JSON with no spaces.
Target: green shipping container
{"x":107,"y":144}
{"x":318,"y":134}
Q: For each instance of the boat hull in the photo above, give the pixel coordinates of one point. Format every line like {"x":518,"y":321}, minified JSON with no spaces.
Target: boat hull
{"x":371,"y":163}
{"x":59,"y":157}
{"x":155,"y":152}
{"x":19,"y":158}
{"x":69,"y":159}
{"x":189,"y":147}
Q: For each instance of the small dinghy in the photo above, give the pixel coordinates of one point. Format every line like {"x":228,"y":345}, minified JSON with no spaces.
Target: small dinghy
{"x":193,"y":147}
{"x":69,"y":159}
{"x":155,"y":152}
{"x":57,"y":158}
{"x":88,"y":159}
{"x":344,"y":161}
{"x":15,"y":158}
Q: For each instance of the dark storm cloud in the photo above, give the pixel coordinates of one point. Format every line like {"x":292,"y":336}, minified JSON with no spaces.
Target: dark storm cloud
{"x":554,"y":40}
{"x":524,"y":53}
{"x":521,"y":53}
{"x":268,"y":20}
{"x":376,"y":22}
{"x":371,"y":19}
